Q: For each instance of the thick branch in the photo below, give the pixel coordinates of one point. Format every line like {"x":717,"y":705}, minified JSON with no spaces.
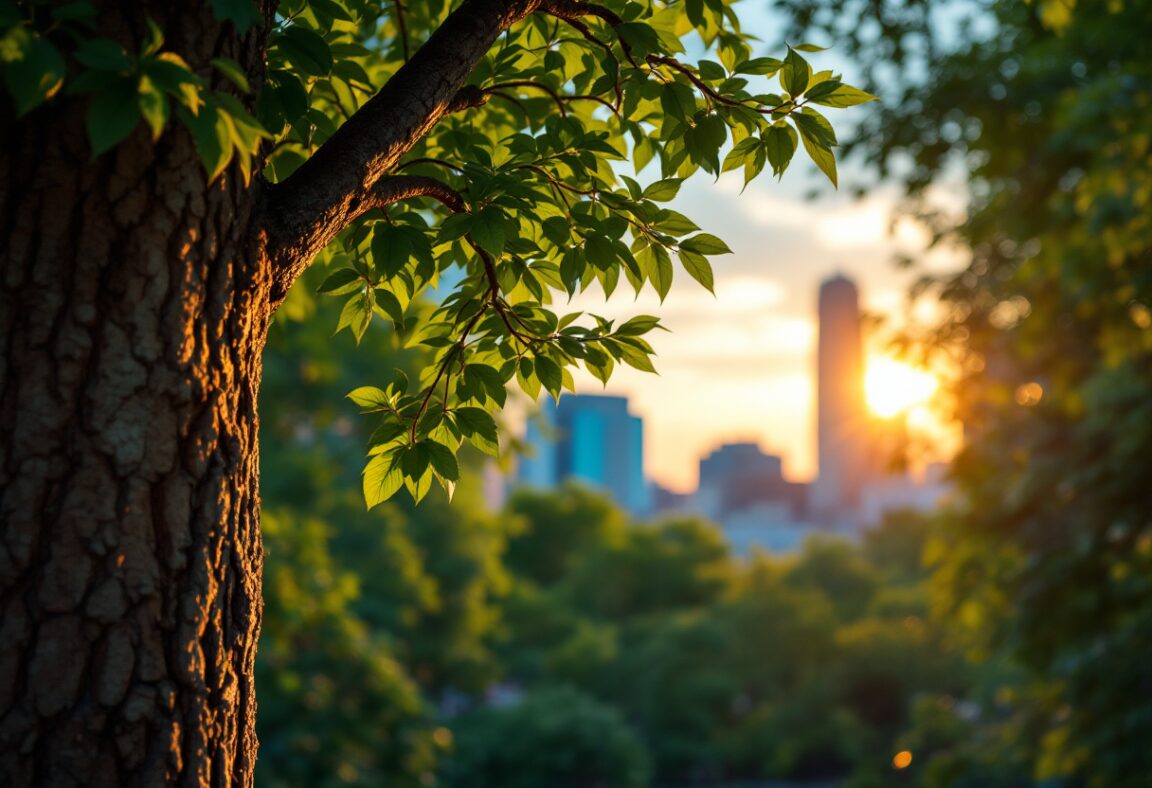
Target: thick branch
{"x":394,"y":188}
{"x":573,"y":9}
{"x":302,"y":214}
{"x":467,"y":97}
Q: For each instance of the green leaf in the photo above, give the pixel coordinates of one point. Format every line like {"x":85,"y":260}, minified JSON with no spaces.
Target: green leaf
{"x":814,"y":126}
{"x":760,"y":66}
{"x":488,"y":230}
{"x":549,"y":373}
{"x":382,"y":478}
{"x":780,"y":143}
{"x":391,"y":249}
{"x":232,"y":70}
{"x":822,"y":156}
{"x":641,"y":38}
{"x":241,"y":13}
{"x":661,"y":272}
{"x":307,"y":50}
{"x":172,"y":74}
{"x":33,"y":69}
{"x":443,"y":460}
{"x":698,"y":268}
{"x":739,"y":153}
{"x":153,"y":40}
{"x":810,"y":48}
{"x":635,"y":358}
{"x":795,"y":73}
{"x":356,"y":315}
{"x":153,"y":106}
{"x":390,"y":304}
{"x":843,"y":96}
{"x":705,"y":243}
{"x":387,"y":432}
{"x":640,"y":324}
{"x":599,"y":251}
{"x":369,"y":398}
{"x":490,"y":379}
{"x":663,"y":191}
{"x":479,"y":427}
{"x":414,"y":459}
{"x":338,"y":281}
{"x":111,"y":116}
{"x":213,"y":136}
{"x":526,"y":378}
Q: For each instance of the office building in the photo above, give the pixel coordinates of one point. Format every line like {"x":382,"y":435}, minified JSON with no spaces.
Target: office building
{"x":593,"y":439}
{"x":843,"y":427}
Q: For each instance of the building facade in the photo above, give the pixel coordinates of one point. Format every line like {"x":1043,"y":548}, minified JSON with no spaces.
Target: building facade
{"x":843,"y":426}
{"x":593,"y":439}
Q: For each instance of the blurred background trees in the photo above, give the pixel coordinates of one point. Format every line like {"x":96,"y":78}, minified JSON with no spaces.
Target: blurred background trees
{"x":556,"y":642}
{"x":1047,"y":116}
{"x":1005,"y":642}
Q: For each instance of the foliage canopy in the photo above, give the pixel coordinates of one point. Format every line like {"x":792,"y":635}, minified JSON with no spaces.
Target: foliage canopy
{"x":517,"y":196}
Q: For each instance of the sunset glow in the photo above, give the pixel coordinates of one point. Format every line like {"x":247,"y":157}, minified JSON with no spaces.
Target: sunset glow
{"x":893,"y":387}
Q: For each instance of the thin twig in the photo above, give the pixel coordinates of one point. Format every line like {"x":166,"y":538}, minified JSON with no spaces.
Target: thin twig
{"x":527,"y":83}
{"x":402,"y":28}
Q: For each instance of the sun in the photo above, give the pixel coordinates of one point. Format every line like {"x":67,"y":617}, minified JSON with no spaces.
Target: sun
{"x":892,"y":387}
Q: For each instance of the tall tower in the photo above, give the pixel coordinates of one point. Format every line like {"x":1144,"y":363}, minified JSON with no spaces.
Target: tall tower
{"x":842,"y":425}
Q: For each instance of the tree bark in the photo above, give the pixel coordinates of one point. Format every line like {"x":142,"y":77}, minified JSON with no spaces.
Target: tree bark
{"x":134,"y":300}
{"x":133,"y":308}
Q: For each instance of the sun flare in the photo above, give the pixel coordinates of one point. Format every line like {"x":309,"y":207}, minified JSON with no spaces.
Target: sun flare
{"x":892,"y":387}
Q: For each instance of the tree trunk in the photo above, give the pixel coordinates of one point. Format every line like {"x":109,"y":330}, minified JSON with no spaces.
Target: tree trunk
{"x":133,"y":309}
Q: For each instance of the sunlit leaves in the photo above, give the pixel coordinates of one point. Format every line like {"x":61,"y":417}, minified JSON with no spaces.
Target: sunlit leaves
{"x":795,"y":73}
{"x":304,"y":49}
{"x":544,"y":213}
{"x":123,"y":88}
{"x":383,"y":478}
{"x":834,"y":94}
{"x":780,"y":145}
{"x":33,"y":68}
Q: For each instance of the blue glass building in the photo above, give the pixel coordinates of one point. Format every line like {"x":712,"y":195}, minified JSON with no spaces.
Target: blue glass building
{"x":592,"y":439}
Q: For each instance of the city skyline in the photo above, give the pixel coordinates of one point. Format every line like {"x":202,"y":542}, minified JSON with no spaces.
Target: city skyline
{"x":740,"y":366}
{"x":861,"y":424}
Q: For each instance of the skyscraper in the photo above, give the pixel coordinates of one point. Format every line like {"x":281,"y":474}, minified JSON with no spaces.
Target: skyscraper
{"x":593,"y":439}
{"x":842,"y":423}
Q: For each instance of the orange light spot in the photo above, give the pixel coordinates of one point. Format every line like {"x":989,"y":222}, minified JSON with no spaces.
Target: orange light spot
{"x":902,"y":760}
{"x":1029,"y":394}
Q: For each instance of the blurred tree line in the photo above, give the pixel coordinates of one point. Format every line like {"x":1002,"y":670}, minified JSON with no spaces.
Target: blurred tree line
{"x":558,"y":643}
{"x":1044,"y":108}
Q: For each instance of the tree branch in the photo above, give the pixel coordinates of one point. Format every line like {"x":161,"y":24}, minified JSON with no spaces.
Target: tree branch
{"x":394,"y":188}
{"x":467,"y":97}
{"x":573,"y":9}
{"x":402,"y":28}
{"x":302,"y":214}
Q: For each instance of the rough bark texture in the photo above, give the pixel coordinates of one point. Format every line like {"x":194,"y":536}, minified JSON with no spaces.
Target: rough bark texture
{"x":133,"y":307}
{"x":134,"y":299}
